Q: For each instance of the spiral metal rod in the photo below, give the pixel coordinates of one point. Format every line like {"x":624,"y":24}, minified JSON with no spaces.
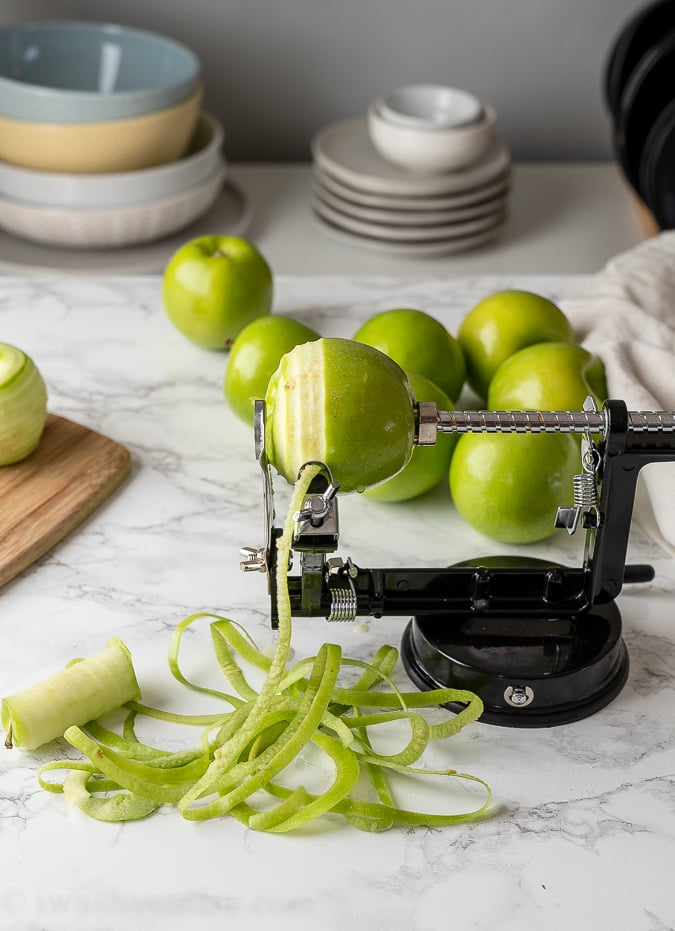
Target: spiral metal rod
{"x":549,"y":421}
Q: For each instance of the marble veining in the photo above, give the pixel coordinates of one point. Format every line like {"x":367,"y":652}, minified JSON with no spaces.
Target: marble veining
{"x":582,"y":831}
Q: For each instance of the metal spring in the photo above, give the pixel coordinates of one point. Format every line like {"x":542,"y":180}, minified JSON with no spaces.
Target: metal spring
{"x":585,"y":493}
{"x":343,"y":604}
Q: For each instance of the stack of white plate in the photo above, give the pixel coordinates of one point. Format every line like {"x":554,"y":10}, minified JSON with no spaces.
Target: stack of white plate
{"x":361,"y":198}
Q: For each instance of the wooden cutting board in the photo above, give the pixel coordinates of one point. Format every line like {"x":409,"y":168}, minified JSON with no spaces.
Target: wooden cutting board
{"x":42,"y":499}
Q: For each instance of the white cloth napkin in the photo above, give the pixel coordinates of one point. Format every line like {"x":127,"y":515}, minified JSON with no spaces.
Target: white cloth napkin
{"x":626,"y":314}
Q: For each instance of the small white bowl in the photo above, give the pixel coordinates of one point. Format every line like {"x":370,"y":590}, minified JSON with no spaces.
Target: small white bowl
{"x":430,"y":106}
{"x":121,"y":188}
{"x":431,"y":152}
{"x":111,"y":227}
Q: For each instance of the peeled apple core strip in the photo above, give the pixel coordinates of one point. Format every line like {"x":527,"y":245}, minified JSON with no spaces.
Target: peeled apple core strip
{"x":86,"y":689}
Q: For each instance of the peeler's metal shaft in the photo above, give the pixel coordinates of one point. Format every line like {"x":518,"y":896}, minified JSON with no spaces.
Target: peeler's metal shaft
{"x":520,"y":421}
{"x":549,"y":422}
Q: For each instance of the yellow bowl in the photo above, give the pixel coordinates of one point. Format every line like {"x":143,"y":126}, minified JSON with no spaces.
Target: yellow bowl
{"x":120,"y":145}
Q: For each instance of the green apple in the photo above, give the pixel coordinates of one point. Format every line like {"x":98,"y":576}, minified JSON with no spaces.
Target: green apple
{"x":342,"y":403}
{"x":213,"y":286}
{"x":508,"y":486}
{"x":419,"y":343}
{"x":549,"y":377}
{"x":255,"y":355}
{"x":23,"y":405}
{"x":428,"y":465}
{"x":503,"y":323}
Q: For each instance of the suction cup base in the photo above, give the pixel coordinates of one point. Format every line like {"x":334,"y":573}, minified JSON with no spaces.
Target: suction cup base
{"x":529,"y":672}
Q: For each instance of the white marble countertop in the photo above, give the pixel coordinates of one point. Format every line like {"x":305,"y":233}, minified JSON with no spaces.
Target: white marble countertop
{"x":582,"y":832}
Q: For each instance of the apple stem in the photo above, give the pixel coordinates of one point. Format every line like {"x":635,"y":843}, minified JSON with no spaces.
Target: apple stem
{"x":8,"y":738}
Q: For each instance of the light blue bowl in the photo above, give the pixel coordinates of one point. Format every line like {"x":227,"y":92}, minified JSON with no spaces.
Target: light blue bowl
{"x":72,"y":72}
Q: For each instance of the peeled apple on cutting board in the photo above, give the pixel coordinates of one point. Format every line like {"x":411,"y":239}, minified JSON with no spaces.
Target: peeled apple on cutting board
{"x":53,"y":472}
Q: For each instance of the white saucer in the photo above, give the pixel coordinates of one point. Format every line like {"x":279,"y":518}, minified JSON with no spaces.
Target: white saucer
{"x":431,"y":248}
{"x":450,"y":201}
{"x":411,"y":217}
{"x":408,"y":234}
{"x":345,"y":150}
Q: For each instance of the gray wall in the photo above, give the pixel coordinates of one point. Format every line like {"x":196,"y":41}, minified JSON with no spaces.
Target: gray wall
{"x":278,"y":70}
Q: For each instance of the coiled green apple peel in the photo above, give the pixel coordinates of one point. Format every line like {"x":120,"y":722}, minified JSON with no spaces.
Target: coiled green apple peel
{"x":252,"y":736}
{"x":23,"y":405}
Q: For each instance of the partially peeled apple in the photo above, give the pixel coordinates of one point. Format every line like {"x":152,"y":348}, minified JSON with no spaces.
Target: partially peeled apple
{"x":342,"y":403}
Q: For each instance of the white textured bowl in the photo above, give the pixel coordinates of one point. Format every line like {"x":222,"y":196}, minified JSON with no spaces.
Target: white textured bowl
{"x":431,"y":152}
{"x":430,"y":106}
{"x":111,"y":227}
{"x":122,"y":188}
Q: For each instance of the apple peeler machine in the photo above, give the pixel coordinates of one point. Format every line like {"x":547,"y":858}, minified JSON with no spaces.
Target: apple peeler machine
{"x":539,"y":642}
